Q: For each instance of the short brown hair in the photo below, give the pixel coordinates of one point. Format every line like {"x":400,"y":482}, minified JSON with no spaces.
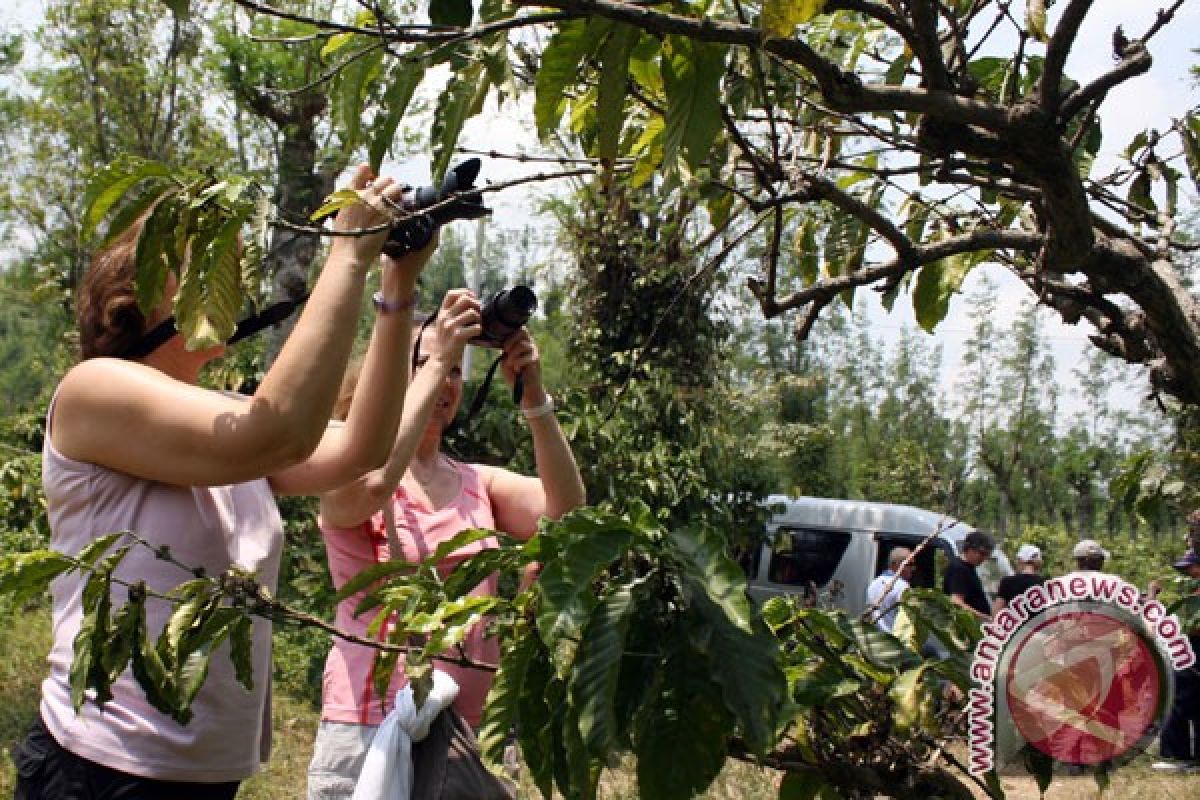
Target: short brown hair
{"x":106,"y":307}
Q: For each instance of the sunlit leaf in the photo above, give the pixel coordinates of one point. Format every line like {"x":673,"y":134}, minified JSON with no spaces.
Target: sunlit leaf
{"x":691,"y":76}
{"x":780,"y":17}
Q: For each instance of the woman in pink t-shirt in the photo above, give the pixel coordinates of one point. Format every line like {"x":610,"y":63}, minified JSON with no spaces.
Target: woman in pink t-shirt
{"x":134,"y":443}
{"x":433,"y":497}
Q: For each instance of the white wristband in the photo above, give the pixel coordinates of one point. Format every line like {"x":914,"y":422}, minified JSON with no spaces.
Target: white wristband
{"x":540,"y":411}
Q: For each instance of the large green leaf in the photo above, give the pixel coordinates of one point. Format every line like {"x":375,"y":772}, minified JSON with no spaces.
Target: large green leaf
{"x":372,"y":575}
{"x":210,"y":288}
{"x":158,"y":251}
{"x":461,"y":99}
{"x":565,"y":586}
{"x":535,"y":711}
{"x":614,"y":77}
{"x":681,"y":735}
{"x":692,"y":79}
{"x":702,"y":553}
{"x":561,"y":60}
{"x":457,"y":542}
{"x":471,"y":571}
{"x":780,"y":17}
{"x":402,"y":81}
{"x":110,"y":183}
{"x":936,"y":284}
{"x":501,"y":707}
{"x":746,"y":665}
{"x":593,"y":682}
{"x":456,"y":13}
{"x":26,"y":575}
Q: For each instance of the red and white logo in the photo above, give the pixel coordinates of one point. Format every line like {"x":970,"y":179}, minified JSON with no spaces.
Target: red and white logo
{"x":1080,"y":668}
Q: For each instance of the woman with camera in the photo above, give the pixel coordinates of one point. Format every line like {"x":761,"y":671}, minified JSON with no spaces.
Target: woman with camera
{"x":135,"y":443}
{"x":432,"y":497}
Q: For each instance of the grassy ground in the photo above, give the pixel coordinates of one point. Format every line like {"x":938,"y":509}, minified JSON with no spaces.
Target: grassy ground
{"x":24,"y":640}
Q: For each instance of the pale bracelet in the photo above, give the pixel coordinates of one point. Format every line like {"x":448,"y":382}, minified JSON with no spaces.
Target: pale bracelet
{"x":540,"y":411}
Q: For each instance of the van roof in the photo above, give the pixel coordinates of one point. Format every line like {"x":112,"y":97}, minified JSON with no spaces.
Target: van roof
{"x":865,"y":515}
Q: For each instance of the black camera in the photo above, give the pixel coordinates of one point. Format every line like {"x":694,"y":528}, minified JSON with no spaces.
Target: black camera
{"x":415,"y":232}
{"x":504,"y":314}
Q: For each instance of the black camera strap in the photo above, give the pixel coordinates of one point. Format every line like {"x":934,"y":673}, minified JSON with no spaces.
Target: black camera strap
{"x":157,"y":336}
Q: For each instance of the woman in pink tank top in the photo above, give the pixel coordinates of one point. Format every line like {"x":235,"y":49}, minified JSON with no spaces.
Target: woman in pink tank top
{"x":133,"y":442}
{"x":432,"y":498}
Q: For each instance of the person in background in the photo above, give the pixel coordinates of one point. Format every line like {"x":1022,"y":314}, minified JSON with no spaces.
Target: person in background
{"x":1193,"y":534}
{"x":884,"y":593}
{"x":1028,"y":574}
{"x":133,"y":442}
{"x":432,"y":497}
{"x":961,"y":581}
{"x":1089,"y":556}
{"x":1179,"y":742}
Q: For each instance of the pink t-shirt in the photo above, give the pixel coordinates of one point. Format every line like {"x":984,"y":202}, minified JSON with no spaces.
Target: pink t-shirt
{"x":348,"y":693}
{"x":214,"y":527}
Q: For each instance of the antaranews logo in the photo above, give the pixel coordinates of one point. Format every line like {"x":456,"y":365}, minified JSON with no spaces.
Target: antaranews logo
{"x":1080,"y":668}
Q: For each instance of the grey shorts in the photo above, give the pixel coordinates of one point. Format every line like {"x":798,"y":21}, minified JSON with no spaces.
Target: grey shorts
{"x":338,"y":755}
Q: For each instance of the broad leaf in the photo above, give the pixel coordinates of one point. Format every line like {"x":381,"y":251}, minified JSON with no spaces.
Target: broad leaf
{"x":593,"y":683}
{"x":745,"y":665}
{"x":692,"y":78}
{"x":500,"y":708}
{"x":614,"y":76}
{"x":561,"y":60}
{"x":210,"y":288}
{"x":109,"y":184}
{"x":372,"y":575}
{"x":456,"y":13}
{"x":680,"y":737}
{"x":27,"y":575}
{"x":936,"y":284}
{"x":565,"y":586}
{"x":780,"y":17}
{"x":402,"y":82}
{"x":703,"y":555}
{"x":461,"y":99}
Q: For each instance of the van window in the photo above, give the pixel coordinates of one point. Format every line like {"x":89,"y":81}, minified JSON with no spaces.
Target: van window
{"x":802,"y":556}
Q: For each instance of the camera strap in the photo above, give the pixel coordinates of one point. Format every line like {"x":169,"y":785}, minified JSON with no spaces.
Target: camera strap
{"x":157,"y":336}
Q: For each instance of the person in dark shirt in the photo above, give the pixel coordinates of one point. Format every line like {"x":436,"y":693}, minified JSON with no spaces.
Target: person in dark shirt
{"x":961,"y":581}
{"x":1028,"y":575}
{"x":1179,"y":743}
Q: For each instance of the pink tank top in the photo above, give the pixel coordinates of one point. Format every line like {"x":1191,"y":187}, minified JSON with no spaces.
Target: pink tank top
{"x":213,"y":527}
{"x":347,"y":691}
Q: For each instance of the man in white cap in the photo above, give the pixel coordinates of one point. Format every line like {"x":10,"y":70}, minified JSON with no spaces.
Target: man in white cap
{"x":1028,"y":574}
{"x":1089,"y":555}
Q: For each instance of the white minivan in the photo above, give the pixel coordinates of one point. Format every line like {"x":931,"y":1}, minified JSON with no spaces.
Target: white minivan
{"x":828,"y":551}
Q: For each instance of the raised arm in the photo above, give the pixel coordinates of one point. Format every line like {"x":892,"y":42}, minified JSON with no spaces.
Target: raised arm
{"x":363,"y":442}
{"x":456,"y":324}
{"x":149,"y":419}
{"x":519,"y":501}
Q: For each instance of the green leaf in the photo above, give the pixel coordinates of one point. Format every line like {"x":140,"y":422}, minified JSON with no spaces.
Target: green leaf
{"x":702,"y":553}
{"x":149,"y":671}
{"x":500,"y":708}
{"x":560,"y":67}
{"x":109,"y":184}
{"x":195,"y":598}
{"x":907,"y":694}
{"x":27,"y":575}
{"x":534,"y":717}
{"x":1139,"y":192}
{"x":614,"y":77}
{"x":680,"y":735}
{"x":372,"y":575}
{"x":457,"y":542}
{"x":565,"y":586}
{"x":402,"y":81}
{"x":158,"y":252}
{"x":456,"y":13}
{"x":1189,"y":132}
{"x":115,"y":656}
{"x":89,"y":554}
{"x":878,"y":646}
{"x":801,"y":786}
{"x":692,"y":73}
{"x":461,"y":99}
{"x":745,"y":665}
{"x":1035,"y":19}
{"x":936,"y":284}
{"x":342,"y":198}
{"x":780,"y":17}
{"x":210,"y":289}
{"x":592,"y":685}
{"x":241,"y":651}
{"x":81,"y":660}
{"x":806,"y":250}
{"x":471,"y":571}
